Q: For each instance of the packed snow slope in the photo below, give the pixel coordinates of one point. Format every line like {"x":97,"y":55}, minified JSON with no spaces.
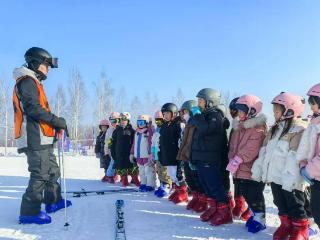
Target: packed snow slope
{"x":93,"y":217}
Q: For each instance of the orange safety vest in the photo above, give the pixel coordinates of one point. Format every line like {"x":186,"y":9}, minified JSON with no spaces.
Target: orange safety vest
{"x":46,"y":129}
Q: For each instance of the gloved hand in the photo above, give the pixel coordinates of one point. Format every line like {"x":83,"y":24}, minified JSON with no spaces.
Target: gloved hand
{"x":131,"y":157}
{"x":304,"y":173}
{"x":195,"y":110}
{"x":192,"y":166}
{"x":234,"y":164}
{"x":59,"y":123}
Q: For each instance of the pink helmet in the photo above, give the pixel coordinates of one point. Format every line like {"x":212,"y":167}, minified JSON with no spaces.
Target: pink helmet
{"x":114,"y":115}
{"x":251,"y":102}
{"x":143,"y":117}
{"x":293,"y":104}
{"x":104,"y":122}
{"x":158,"y":114}
{"x":314,"y":91}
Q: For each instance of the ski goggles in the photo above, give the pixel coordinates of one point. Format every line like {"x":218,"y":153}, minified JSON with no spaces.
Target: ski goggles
{"x":159,"y":122}
{"x":52,"y":62}
{"x":141,"y":123}
{"x":124,"y":119}
{"x":112,"y":121}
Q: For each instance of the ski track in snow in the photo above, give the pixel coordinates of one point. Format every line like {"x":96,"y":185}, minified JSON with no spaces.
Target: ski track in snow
{"x":93,"y":217}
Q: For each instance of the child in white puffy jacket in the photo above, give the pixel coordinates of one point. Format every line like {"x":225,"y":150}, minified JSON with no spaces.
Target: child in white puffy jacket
{"x":308,"y":154}
{"x":277,"y":164}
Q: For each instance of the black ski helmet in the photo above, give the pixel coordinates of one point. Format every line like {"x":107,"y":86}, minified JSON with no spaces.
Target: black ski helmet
{"x":211,"y":96}
{"x":232,"y":105}
{"x":36,"y":56}
{"x":188,"y":105}
{"x":170,"y":107}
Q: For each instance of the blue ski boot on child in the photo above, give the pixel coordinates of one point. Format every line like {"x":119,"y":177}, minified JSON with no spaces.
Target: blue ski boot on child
{"x":41,"y":218}
{"x":256,"y":223}
{"x":51,"y":208}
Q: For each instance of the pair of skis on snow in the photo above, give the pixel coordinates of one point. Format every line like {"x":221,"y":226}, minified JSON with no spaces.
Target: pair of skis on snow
{"x":84,"y":192}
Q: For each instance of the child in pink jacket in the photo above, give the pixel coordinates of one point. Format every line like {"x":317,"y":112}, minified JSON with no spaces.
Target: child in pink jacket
{"x":308,"y":154}
{"x":245,"y":143}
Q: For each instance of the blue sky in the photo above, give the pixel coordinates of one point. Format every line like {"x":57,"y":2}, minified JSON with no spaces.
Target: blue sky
{"x":259,"y":47}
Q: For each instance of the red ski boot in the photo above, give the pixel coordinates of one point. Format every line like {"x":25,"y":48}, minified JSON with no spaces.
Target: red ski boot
{"x":231,"y":201}
{"x":194,"y":200}
{"x":299,"y":230}
{"x":284,"y":229}
{"x":174,"y":193}
{"x":223,"y":215}
{"x":182,"y":195}
{"x":240,"y":208}
{"x":111,"y":180}
{"x":205,"y":217}
{"x":104,"y":179}
{"x":201,"y":205}
{"x":124,"y":180}
{"x":135,"y":180}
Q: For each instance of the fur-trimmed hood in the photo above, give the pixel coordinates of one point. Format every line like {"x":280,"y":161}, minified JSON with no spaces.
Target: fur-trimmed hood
{"x":23,"y":71}
{"x":258,"y":121}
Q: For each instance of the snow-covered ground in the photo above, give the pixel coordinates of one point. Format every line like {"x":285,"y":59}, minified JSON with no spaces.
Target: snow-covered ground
{"x":93,"y":217}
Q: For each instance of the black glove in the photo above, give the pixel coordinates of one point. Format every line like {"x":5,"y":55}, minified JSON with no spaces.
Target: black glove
{"x":59,"y":123}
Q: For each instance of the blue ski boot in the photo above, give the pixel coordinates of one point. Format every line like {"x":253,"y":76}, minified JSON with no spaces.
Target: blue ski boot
{"x":142,"y":188}
{"x":257,"y":223}
{"x":149,"y":189}
{"x":51,"y":208}
{"x":41,"y":218}
{"x":163,"y":191}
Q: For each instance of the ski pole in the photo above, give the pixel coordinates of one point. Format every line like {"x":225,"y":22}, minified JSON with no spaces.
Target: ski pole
{"x":64,"y":181}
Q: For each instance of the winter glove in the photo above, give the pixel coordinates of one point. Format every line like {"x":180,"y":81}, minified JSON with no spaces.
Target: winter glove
{"x":59,"y":123}
{"x":234,"y":164}
{"x":304,"y":173}
{"x":192,"y":166}
{"x":131,"y":158}
{"x":195,"y":110}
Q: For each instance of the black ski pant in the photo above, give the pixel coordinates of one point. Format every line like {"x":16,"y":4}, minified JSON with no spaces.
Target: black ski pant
{"x":252,"y":192}
{"x":43,"y":186}
{"x":192,"y":179}
{"x":211,"y":180}
{"x":291,"y":204}
{"x":315,"y":202}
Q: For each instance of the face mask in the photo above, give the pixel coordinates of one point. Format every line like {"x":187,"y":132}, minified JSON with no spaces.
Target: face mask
{"x":186,"y":117}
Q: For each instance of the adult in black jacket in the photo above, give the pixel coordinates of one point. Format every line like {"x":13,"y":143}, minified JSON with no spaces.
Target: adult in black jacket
{"x":122,"y":140}
{"x":208,"y":152}
{"x":35,"y":127}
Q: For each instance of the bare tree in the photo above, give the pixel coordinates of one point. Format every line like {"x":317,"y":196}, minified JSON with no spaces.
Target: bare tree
{"x":179,"y":98}
{"x":4,"y":111}
{"x":59,"y":102}
{"x":136,"y":108}
{"x":121,"y":100}
{"x":77,"y":100}
{"x":104,"y":96}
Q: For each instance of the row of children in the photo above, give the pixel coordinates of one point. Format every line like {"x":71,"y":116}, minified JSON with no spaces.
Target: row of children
{"x":190,"y":150}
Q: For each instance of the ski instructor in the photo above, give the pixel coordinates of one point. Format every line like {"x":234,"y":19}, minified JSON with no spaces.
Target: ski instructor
{"x":35,"y":129}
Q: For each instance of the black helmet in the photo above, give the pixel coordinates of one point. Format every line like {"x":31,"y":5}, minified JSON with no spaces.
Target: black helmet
{"x":36,"y":56}
{"x":169,"y":107}
{"x":211,"y":96}
{"x":188,"y":105}
{"x":232,"y":105}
